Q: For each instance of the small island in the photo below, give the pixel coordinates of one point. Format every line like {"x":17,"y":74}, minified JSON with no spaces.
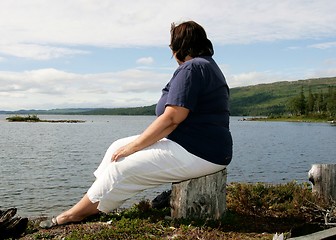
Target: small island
{"x":34,"y":118}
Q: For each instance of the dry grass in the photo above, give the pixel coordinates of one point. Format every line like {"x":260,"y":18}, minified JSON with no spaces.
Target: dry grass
{"x":255,"y":211}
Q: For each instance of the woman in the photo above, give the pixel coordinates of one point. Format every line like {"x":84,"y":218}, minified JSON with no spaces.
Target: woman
{"x":189,"y":138}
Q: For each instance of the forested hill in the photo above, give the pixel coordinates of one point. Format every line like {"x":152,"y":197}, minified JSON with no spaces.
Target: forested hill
{"x":146,"y":110}
{"x":258,"y":100}
{"x":276,"y":98}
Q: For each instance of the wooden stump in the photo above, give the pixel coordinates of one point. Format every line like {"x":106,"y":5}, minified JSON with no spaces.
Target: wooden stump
{"x":323,"y":177}
{"x":200,"y":198}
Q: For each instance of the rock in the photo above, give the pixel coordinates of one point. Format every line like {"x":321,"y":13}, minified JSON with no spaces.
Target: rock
{"x":10,"y":226}
{"x":162,"y":200}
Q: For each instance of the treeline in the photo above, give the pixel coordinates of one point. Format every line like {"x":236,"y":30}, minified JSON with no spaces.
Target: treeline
{"x":310,"y":96}
{"x":321,"y":104}
{"x":147,"y":110}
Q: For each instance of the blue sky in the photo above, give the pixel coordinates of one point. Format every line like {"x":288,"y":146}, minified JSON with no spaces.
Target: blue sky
{"x":86,"y":53}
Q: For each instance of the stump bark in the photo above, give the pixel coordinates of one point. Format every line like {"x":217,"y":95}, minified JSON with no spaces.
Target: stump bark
{"x":200,"y":198}
{"x":323,"y":178}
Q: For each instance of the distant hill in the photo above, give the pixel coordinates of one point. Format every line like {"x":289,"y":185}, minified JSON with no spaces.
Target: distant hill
{"x":273,"y":98}
{"x":61,"y":111}
{"x":256,"y":100}
{"x":147,"y":110}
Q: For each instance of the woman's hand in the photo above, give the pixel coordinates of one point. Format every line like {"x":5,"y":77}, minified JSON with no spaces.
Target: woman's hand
{"x":160,"y":128}
{"x":123,"y":152}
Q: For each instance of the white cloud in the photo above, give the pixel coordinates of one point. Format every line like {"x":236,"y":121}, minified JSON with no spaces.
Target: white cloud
{"x":39,"y":26}
{"x":38,"y":52}
{"x":327,"y":69}
{"x":254,"y":78}
{"x":325,"y":45}
{"x":145,"y":61}
{"x":46,"y":88}
{"x":261,"y":77}
{"x":265,"y":77}
{"x":52,"y":88}
{"x":48,"y":30}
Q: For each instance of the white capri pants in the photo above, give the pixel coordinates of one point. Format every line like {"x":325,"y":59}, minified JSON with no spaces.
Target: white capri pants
{"x":163,"y":162}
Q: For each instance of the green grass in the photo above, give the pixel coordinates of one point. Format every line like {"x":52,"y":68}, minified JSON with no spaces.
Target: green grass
{"x":255,"y":211}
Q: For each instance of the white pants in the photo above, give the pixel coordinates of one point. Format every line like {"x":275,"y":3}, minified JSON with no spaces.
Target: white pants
{"x":163,"y":162}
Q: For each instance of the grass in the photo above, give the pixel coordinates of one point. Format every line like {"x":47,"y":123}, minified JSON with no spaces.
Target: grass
{"x":255,"y":211}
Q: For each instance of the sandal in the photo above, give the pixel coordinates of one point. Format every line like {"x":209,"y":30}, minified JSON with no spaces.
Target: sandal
{"x":49,"y":223}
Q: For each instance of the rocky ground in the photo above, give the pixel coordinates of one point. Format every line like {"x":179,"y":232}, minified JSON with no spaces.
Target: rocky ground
{"x":255,"y":211}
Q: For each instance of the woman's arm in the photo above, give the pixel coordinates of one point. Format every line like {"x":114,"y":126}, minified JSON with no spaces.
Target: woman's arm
{"x":160,"y":128}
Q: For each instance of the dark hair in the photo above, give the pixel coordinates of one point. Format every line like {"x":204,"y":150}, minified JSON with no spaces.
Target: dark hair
{"x":189,"y":38}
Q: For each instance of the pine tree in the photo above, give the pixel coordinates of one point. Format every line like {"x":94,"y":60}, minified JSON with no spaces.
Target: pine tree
{"x":320,"y":103}
{"x":310,"y":101}
{"x":302,"y":103}
{"x":331,"y":101}
{"x":297,"y":105}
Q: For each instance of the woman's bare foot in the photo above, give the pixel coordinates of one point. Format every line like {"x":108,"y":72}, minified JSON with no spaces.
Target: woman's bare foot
{"x":77,"y":213}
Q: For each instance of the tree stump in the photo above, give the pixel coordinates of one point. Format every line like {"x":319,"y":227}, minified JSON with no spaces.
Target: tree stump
{"x":200,"y":198}
{"x":323,"y":177}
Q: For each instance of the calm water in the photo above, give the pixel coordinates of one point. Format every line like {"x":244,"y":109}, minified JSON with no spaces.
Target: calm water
{"x":47,"y":167}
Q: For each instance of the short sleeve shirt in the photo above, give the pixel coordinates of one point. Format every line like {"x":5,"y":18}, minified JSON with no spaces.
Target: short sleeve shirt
{"x":200,"y":86}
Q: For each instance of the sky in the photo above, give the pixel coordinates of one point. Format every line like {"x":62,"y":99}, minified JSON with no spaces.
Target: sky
{"x":106,"y":53}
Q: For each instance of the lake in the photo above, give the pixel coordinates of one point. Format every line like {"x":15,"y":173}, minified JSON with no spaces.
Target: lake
{"x":47,"y":167}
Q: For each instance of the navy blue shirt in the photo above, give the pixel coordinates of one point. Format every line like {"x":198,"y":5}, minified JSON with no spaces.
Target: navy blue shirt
{"x":200,"y":86}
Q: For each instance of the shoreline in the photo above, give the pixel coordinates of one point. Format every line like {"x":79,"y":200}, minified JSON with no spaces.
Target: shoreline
{"x":287,"y":119}
{"x":245,"y":218}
